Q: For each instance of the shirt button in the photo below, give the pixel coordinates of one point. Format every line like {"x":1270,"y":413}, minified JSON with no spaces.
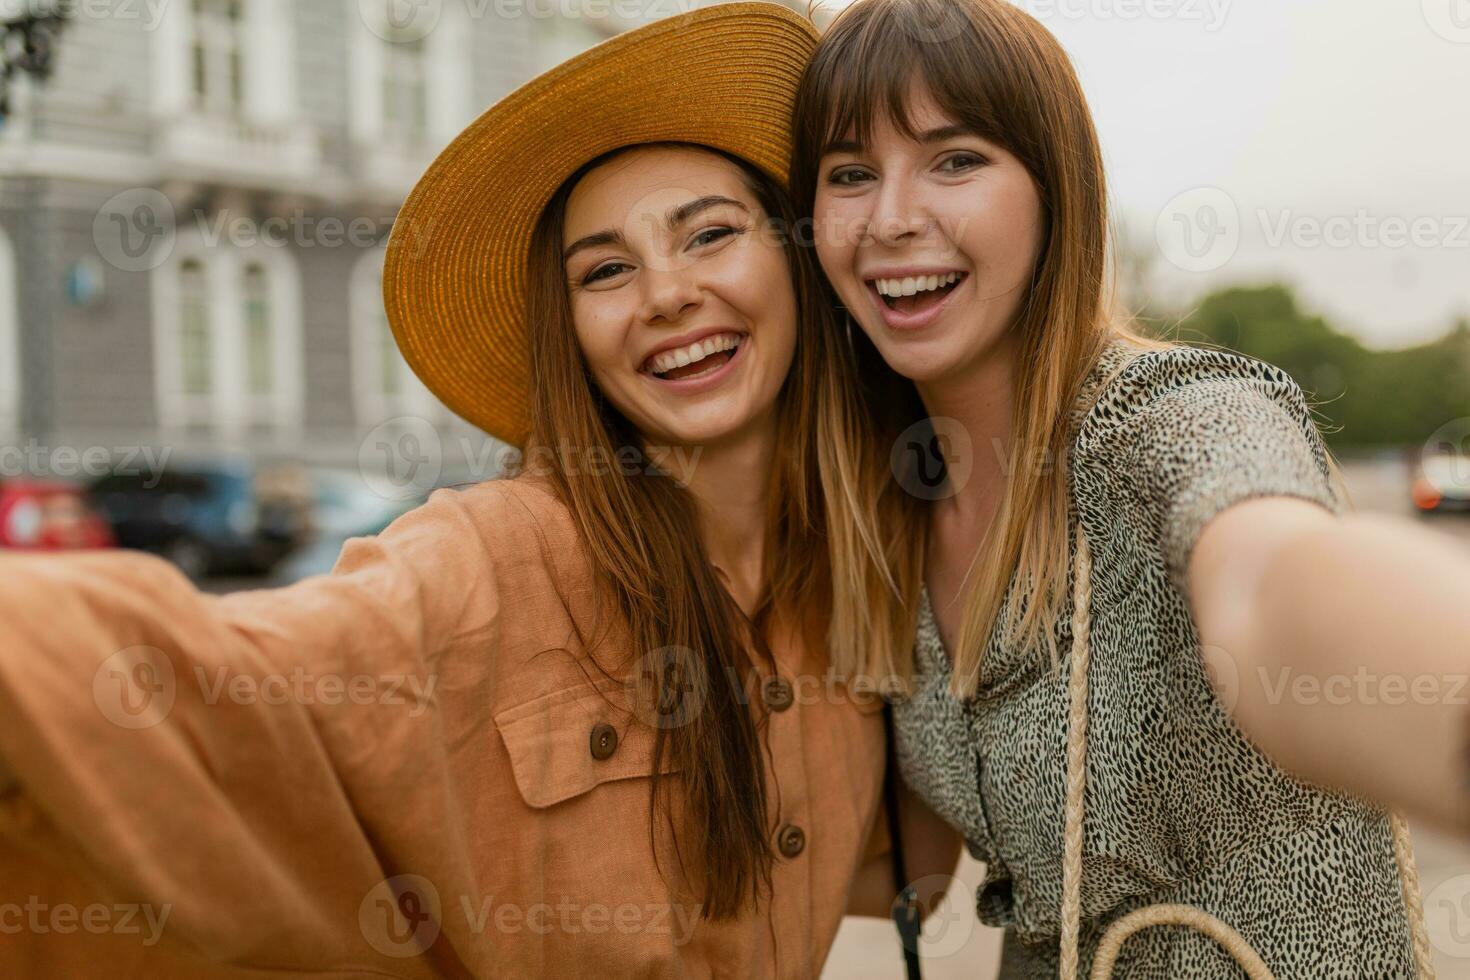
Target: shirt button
{"x":604,"y":740}
{"x":777,"y":693}
{"x":791,"y":841}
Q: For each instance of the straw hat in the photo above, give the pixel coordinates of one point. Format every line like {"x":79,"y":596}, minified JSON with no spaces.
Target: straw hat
{"x":455,"y":276}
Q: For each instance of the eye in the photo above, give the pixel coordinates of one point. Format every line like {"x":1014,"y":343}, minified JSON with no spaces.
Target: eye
{"x":609,"y":270}
{"x":847,"y":176}
{"x":711,"y":235}
{"x":960,"y":162}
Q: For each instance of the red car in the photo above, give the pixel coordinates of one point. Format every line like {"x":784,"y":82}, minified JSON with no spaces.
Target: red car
{"x":49,"y":515}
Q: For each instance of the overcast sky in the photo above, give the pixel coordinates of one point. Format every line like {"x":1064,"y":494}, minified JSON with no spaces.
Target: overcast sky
{"x":1337,"y":130}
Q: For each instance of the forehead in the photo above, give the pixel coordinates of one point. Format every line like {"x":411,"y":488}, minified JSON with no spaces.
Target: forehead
{"x":647,"y":181}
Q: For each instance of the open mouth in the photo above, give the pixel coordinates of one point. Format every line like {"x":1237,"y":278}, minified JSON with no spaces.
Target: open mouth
{"x":916,"y":294}
{"x":697,"y":360}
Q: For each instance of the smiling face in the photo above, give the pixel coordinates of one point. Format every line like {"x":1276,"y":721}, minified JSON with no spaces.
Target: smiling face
{"x":931,"y":242}
{"x":683,"y":305}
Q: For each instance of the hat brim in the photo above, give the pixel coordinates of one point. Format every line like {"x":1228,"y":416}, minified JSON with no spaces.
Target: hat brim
{"x":455,"y":275}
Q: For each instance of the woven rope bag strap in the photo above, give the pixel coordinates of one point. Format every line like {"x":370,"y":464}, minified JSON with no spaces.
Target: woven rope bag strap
{"x":1112,"y":941}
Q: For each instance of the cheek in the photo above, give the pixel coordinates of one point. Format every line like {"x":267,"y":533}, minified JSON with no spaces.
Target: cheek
{"x":831,"y":221}
{"x":599,"y":336}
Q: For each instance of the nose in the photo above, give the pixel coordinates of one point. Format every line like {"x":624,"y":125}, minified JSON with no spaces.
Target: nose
{"x":896,"y":215}
{"x":669,"y":294}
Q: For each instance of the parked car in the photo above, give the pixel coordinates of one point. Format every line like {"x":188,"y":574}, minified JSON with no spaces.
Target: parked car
{"x":208,"y":519}
{"x":1443,"y":485}
{"x":49,"y":515}
{"x":343,"y":506}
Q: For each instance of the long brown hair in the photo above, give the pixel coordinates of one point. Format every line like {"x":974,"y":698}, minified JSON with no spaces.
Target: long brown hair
{"x":996,"y":70}
{"x":644,"y":544}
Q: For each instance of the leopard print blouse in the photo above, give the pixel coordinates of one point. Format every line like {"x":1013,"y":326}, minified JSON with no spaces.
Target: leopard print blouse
{"x":1181,"y":807}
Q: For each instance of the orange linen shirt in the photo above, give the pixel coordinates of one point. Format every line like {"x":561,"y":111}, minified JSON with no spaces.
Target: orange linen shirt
{"x":403,"y":768}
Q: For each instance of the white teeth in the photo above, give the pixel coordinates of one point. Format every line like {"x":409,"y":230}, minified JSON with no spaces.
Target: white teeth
{"x":914,"y":285}
{"x":695,"y":352}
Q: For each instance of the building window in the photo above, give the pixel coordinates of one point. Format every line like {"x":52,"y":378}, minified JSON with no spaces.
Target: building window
{"x":259,"y":364}
{"x":228,"y":341}
{"x":405,"y":91}
{"x":9,"y":342}
{"x":218,"y":56}
{"x":195,"y":349}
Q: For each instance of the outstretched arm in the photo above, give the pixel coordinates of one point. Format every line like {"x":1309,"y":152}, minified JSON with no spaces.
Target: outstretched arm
{"x":1349,"y":642}
{"x":256,"y":762}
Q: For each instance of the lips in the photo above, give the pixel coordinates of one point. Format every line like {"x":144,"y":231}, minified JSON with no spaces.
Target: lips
{"x":911,"y":299}
{"x":694,"y":357}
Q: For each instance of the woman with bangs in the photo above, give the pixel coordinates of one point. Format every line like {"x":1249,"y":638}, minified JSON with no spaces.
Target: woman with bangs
{"x":1102,"y":552}
{"x":603,"y":738}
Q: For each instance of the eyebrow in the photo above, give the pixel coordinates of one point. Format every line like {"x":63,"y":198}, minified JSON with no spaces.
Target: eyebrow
{"x":942,"y":134}
{"x":673,"y":218}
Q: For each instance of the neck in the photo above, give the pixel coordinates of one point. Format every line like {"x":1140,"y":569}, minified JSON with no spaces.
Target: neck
{"x":979,"y":398}
{"x":731,"y":485}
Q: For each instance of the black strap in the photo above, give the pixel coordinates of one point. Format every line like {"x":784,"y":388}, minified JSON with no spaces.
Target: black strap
{"x":905,"y":909}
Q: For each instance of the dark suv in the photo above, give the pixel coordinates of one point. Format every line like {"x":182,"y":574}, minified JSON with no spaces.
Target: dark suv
{"x":206,"y":519}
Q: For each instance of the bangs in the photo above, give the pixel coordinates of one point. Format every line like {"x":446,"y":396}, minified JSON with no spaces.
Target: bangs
{"x":878,"y":54}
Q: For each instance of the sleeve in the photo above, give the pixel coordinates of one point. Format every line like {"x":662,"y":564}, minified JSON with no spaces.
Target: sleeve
{"x":251,"y":762}
{"x":1214,"y":429}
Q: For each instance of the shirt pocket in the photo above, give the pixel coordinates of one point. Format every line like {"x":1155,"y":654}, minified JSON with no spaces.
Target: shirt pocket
{"x":571,"y":741}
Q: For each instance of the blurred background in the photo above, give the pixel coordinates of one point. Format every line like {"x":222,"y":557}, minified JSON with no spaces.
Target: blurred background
{"x":195,"y":196}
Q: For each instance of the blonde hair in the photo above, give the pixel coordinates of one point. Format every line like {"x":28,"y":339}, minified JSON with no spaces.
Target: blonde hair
{"x":995,"y":69}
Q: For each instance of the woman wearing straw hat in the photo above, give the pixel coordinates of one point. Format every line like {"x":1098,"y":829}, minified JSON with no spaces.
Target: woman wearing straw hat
{"x":577,"y":723}
{"x":1142,"y":621}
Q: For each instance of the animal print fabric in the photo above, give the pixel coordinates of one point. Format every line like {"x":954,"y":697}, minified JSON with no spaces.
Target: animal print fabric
{"x":1180,"y":806}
